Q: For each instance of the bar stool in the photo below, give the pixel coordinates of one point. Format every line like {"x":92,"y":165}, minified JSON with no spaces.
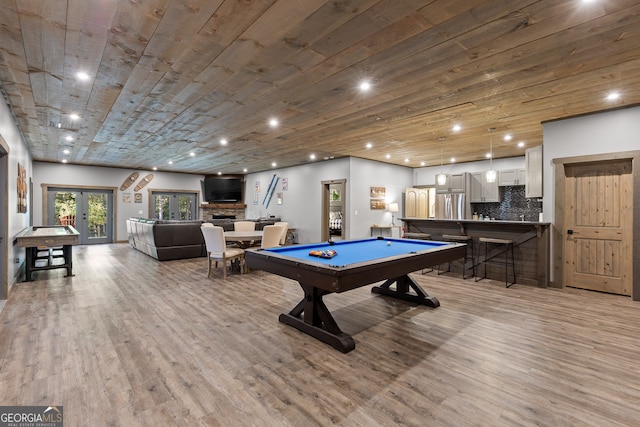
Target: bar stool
{"x":469,"y":242}
{"x":500,"y":246}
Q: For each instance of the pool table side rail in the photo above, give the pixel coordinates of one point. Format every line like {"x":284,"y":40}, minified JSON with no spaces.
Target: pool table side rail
{"x":340,"y":279}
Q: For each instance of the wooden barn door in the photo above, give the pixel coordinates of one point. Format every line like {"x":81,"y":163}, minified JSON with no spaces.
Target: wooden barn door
{"x":598,"y":221}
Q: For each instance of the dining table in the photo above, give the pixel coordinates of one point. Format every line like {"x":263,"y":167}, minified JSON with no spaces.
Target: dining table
{"x":244,"y":239}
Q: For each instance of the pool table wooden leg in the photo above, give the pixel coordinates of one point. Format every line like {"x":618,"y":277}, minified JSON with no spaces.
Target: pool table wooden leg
{"x":402,"y":291}
{"x":312,"y":317}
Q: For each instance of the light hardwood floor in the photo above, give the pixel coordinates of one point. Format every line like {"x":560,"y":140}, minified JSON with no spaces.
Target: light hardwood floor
{"x":131,"y":341}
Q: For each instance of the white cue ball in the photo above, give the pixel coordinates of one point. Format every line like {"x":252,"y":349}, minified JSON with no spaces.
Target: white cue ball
{"x":388,"y":243}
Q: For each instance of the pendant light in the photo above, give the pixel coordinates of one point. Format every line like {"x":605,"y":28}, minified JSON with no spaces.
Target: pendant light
{"x":491,"y":174}
{"x":441,"y":178}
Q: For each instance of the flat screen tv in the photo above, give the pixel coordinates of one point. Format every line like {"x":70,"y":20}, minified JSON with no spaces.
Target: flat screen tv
{"x":223,"y":190}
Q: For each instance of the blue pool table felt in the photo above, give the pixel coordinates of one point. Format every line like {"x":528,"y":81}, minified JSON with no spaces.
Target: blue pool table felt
{"x":357,"y":251}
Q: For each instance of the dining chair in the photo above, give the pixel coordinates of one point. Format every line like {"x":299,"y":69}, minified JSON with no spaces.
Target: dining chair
{"x":217,"y":249}
{"x":244,"y":225}
{"x":270,"y":238}
{"x":285,"y":228}
{"x":271,"y":235}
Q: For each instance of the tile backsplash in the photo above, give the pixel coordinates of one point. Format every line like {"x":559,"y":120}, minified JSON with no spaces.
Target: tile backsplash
{"x":513,"y":205}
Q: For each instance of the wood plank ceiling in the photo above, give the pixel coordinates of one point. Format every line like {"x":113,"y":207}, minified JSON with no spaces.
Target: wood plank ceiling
{"x":172,"y":77}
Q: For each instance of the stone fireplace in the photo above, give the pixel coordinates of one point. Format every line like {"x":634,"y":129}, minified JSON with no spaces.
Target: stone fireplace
{"x":221,"y":210}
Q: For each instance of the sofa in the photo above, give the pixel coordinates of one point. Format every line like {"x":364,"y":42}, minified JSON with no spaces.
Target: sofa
{"x":166,"y":239}
{"x":176,"y":239}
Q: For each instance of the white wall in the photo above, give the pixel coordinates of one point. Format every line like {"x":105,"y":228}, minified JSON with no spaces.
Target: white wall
{"x":18,"y":153}
{"x":302,"y":202}
{"x":365,"y":174}
{"x":66,"y":175}
{"x":608,"y":132}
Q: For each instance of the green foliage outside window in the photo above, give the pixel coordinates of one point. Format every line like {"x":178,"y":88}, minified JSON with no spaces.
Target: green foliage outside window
{"x":64,"y":209}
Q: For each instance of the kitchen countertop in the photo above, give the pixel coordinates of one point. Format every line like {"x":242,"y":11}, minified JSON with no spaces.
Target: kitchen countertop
{"x":476,"y":221}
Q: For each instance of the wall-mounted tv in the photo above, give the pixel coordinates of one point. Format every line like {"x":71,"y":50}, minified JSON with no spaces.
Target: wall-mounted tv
{"x":223,"y":189}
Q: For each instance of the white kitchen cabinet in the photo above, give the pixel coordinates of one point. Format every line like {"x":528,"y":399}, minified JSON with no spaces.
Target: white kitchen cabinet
{"x":533,"y":164}
{"x":483,"y":191}
{"x":510,"y":177}
{"x":455,"y":183}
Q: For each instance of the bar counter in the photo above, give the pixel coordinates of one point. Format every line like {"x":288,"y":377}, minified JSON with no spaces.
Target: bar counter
{"x":531,"y":242}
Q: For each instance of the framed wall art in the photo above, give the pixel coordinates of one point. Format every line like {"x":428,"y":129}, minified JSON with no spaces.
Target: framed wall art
{"x":22,"y":189}
{"x":377,"y":195}
{"x":377,"y":192}
{"x":377,"y":204}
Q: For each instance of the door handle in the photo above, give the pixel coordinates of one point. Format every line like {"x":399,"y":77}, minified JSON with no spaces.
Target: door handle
{"x":569,"y":231}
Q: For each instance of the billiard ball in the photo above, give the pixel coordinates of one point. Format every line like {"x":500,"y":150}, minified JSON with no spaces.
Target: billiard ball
{"x":388,"y":243}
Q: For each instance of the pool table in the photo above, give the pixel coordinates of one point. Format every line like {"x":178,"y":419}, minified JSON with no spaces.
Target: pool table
{"x":48,"y":247}
{"x":356,"y":263}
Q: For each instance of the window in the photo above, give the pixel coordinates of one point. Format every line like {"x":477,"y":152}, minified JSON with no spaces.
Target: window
{"x":174,"y":205}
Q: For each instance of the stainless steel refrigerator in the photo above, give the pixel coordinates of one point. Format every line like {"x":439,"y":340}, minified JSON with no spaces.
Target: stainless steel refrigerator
{"x":452,"y":206}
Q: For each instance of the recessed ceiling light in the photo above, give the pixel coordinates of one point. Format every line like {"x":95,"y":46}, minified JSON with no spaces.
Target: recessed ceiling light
{"x":422,"y":163}
{"x":81,"y":75}
{"x":64,"y":160}
{"x":223,"y":141}
{"x":406,"y":160}
{"x":453,"y":160}
{"x":274,"y":164}
{"x":388,"y":156}
{"x":273,"y":123}
{"x":155,"y":168}
{"x":456,"y":128}
{"x":488,"y":155}
{"x":74,"y":116}
{"x":365,"y":85}
{"x":613,"y":96}
{"x":170,"y":162}
{"x":68,"y":138}
{"x":368,"y":145}
{"x":219,"y":173}
{"x":65,"y":151}
{"x":312,"y":156}
{"x":192,"y":154}
{"x":244,"y":170}
{"x":521,"y":144}
{"x":507,"y":137}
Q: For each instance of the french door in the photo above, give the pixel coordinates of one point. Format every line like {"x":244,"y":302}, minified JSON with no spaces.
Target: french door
{"x":89,"y":211}
{"x":174,"y":205}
